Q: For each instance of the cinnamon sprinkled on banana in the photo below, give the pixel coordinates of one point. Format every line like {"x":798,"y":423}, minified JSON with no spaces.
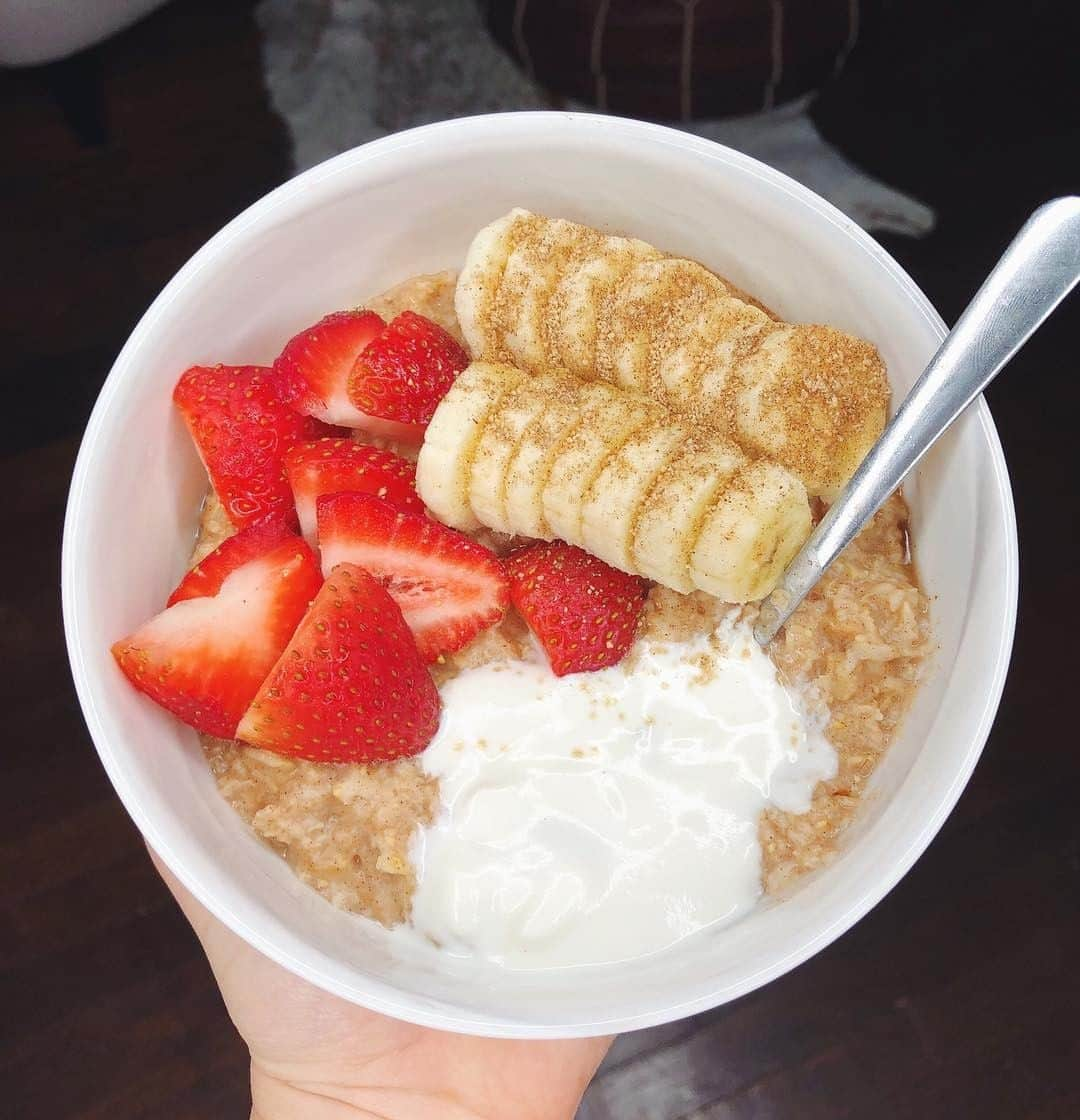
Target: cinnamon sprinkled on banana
{"x":612,"y":470}
{"x":542,"y":293}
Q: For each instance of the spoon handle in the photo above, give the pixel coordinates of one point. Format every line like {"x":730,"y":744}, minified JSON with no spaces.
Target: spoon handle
{"x":1036,"y":272}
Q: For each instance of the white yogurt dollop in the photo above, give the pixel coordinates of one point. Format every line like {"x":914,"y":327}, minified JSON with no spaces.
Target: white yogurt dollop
{"x":604,"y":816}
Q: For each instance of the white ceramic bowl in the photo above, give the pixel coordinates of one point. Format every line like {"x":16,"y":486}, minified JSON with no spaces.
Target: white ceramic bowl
{"x":410,"y":204}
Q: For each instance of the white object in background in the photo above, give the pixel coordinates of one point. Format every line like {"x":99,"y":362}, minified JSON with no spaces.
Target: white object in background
{"x":788,"y":139}
{"x":342,"y":72}
{"x":408,"y":204}
{"x":36,"y":31}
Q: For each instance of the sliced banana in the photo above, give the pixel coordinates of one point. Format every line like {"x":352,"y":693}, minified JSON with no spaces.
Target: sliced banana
{"x":758,"y":521}
{"x":606,"y":418}
{"x":549,"y":455}
{"x":813,"y":398}
{"x":623,"y":338}
{"x":443,"y":467}
{"x":499,"y":439}
{"x":517,"y":309}
{"x":550,"y":294}
{"x":667,"y":526}
{"x":576,"y":307}
{"x":619,"y":492}
{"x":481,"y":275}
{"x":684,"y":300}
{"x":697,"y":374}
{"x":546,"y":251}
{"x":529,"y":467}
{"x":682,"y":365}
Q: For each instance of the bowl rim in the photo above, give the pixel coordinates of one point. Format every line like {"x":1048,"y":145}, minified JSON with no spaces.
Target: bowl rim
{"x":380,"y":996}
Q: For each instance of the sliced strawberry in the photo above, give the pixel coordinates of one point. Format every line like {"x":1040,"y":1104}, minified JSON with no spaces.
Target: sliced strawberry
{"x":242,"y":429}
{"x":333,"y":466}
{"x":314,"y":368}
{"x":351,"y":686}
{"x":205,"y":656}
{"x":583,"y":611}
{"x":448,"y":587}
{"x":206,"y":578}
{"x":406,"y":370}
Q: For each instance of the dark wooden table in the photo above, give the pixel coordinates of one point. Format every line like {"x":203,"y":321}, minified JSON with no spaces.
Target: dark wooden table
{"x":958,"y":996}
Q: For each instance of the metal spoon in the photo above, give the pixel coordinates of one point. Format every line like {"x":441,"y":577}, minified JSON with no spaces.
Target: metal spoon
{"x":1036,"y":272}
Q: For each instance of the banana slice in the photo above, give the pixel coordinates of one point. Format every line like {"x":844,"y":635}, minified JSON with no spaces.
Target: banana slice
{"x":684,"y":302}
{"x":580,"y":301}
{"x":529,"y":467}
{"x":681,"y":367}
{"x":545,"y":252}
{"x":653,"y":310}
{"x":606,"y":419}
{"x":517,"y":311}
{"x":620,"y":492}
{"x":814,"y":399}
{"x":624,"y":335}
{"x":530,"y":287}
{"x":482,"y":273}
{"x":667,"y":527}
{"x":699,"y":369}
{"x":444,"y":465}
{"x":755,"y":526}
{"x":499,"y":439}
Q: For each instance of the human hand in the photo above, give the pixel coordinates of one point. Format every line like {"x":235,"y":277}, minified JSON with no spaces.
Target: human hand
{"x":317,"y":1057}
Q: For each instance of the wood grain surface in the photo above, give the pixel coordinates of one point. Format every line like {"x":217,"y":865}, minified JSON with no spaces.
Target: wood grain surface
{"x":958,"y":996}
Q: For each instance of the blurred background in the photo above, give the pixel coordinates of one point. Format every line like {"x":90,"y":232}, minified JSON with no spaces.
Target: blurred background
{"x":131,"y":130}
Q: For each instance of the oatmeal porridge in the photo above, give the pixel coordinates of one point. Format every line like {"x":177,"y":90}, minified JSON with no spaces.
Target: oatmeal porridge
{"x":548,"y":317}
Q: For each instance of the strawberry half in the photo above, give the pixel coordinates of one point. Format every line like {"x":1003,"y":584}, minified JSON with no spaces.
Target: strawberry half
{"x":242,"y":429}
{"x":205,"y":579}
{"x":583,"y":611}
{"x":351,"y":686}
{"x":332,"y":466}
{"x":205,"y":656}
{"x":449,"y":587}
{"x":314,"y":369}
{"x":406,"y":370}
